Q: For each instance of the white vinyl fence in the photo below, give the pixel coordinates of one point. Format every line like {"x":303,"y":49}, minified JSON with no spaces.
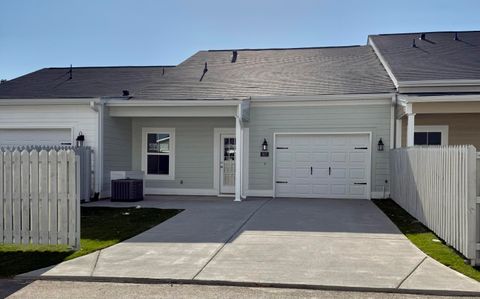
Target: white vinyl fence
{"x":438,"y":186}
{"x":39,"y":197}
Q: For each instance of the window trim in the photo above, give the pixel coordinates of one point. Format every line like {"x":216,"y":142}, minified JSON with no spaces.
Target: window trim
{"x":427,"y":129}
{"x":171,"y":164}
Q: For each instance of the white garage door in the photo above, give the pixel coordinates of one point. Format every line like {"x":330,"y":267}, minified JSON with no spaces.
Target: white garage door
{"x":322,"y":166}
{"x":52,"y":136}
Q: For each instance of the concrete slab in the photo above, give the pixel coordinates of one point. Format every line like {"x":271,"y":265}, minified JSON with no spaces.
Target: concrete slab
{"x":309,"y":242}
{"x":431,"y":275}
{"x":81,"y":266}
{"x":346,"y":243}
{"x":155,"y":260}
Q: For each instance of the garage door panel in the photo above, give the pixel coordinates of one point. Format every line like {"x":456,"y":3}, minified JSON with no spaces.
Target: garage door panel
{"x":358,"y":189}
{"x":311,"y":156}
{"x":338,"y":157}
{"x":357,"y":173}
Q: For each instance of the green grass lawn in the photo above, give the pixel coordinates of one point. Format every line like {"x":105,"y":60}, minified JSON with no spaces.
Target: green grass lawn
{"x":425,"y":239}
{"x":100,"y":227}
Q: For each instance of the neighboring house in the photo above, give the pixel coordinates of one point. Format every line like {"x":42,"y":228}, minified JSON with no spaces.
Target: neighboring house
{"x":437,"y":76}
{"x":305,"y":122}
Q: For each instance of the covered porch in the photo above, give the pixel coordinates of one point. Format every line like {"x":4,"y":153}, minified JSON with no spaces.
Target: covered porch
{"x":183,"y":147}
{"x":437,"y":120}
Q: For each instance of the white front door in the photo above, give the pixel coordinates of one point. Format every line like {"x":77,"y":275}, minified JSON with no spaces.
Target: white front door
{"x":227,"y":163}
{"x":322,"y":166}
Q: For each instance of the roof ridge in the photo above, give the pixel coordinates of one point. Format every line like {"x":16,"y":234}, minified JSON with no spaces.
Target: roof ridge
{"x":280,"y":49}
{"x":111,"y":67}
{"x":426,"y":32}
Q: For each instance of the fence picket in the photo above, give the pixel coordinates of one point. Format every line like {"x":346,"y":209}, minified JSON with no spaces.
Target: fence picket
{"x":2,"y":215}
{"x":8,"y":205}
{"x":16,"y":198}
{"x":43,"y":197}
{"x":72,"y":198}
{"x":53,"y":196}
{"x":34,"y":194}
{"x":62,"y":197}
{"x":25,"y":196}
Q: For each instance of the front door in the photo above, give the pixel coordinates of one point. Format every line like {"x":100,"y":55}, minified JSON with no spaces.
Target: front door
{"x":227,"y":163}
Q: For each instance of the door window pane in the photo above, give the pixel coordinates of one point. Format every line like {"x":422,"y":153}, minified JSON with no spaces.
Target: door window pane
{"x":158,"y":164}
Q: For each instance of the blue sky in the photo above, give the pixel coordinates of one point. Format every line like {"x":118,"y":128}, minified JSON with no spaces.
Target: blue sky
{"x":36,"y":34}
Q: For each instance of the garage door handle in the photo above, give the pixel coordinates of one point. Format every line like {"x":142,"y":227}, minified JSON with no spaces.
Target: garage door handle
{"x":361,"y":148}
{"x":281,"y":182}
{"x":359,"y":183}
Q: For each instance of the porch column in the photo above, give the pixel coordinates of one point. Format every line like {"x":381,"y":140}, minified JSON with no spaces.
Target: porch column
{"x":410,"y":129}
{"x":238,"y":158}
{"x":398,"y":134}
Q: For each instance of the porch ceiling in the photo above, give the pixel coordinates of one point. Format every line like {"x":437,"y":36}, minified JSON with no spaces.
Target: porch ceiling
{"x":446,"y":107}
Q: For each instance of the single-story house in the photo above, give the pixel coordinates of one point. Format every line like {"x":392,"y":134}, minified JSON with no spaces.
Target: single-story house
{"x":303,"y":122}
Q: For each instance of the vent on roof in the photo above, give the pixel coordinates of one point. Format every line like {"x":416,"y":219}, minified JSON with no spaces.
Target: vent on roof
{"x":234,"y":56}
{"x":125,"y":93}
{"x":163,"y":71}
{"x":422,"y":36}
{"x":70,"y":72}
{"x":205,"y":70}
{"x":455,"y":37}
{"x":414,"y":45}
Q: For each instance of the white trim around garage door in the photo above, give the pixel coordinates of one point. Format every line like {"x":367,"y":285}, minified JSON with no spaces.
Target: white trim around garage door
{"x":369,"y":170}
{"x":40,"y":127}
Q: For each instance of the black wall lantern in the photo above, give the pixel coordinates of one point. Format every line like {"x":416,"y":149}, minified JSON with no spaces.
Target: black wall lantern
{"x":80,"y":139}
{"x":380,"y":145}
{"x":264,"y":152}
{"x":265,"y":145}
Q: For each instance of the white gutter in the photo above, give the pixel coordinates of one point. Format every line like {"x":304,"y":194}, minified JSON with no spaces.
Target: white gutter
{"x":172,"y":103}
{"x":439,"y":83}
{"x":440,"y":98}
{"x":64,"y":101}
{"x":335,"y":97}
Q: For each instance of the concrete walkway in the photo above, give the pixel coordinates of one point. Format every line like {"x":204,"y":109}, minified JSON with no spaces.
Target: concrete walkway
{"x":315,"y":243}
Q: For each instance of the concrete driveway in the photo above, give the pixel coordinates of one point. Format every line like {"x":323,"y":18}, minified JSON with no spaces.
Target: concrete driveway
{"x":307,"y":242}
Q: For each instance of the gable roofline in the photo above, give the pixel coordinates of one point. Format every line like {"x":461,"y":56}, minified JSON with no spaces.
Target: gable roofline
{"x":383,"y":61}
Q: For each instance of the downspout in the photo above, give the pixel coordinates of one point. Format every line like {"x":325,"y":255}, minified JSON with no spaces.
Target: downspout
{"x":98,"y":107}
{"x":395,"y":101}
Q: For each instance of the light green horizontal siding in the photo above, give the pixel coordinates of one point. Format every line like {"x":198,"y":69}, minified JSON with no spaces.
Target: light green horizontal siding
{"x":264,"y":121}
{"x":193,"y":149}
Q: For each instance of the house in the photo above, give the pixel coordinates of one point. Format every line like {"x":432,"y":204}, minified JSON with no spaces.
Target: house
{"x":437,"y":77}
{"x":303,"y":122}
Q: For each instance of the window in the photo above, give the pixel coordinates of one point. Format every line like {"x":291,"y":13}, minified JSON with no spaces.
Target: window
{"x":431,"y":135}
{"x":158,"y":153}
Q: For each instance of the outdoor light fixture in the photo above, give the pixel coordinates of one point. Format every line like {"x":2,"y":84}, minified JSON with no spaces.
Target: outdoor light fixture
{"x":80,"y":139}
{"x":264,"y":145}
{"x":380,"y":145}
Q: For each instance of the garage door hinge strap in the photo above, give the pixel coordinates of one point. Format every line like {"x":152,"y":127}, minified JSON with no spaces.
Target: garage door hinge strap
{"x":359,"y":183}
{"x":280,"y":147}
{"x":362,"y":148}
{"x":281,"y":182}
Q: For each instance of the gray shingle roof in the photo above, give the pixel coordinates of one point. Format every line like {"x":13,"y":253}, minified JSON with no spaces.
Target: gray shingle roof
{"x":438,"y":57}
{"x":86,"y":82}
{"x":272,"y":72}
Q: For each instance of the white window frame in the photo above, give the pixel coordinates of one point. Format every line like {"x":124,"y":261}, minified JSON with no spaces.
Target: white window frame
{"x":442,"y":129}
{"x":171,"y":163}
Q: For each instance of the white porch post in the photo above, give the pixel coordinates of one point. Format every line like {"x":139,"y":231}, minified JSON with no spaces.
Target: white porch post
{"x":410,"y":129}
{"x":238,"y":155}
{"x":398,"y":140}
